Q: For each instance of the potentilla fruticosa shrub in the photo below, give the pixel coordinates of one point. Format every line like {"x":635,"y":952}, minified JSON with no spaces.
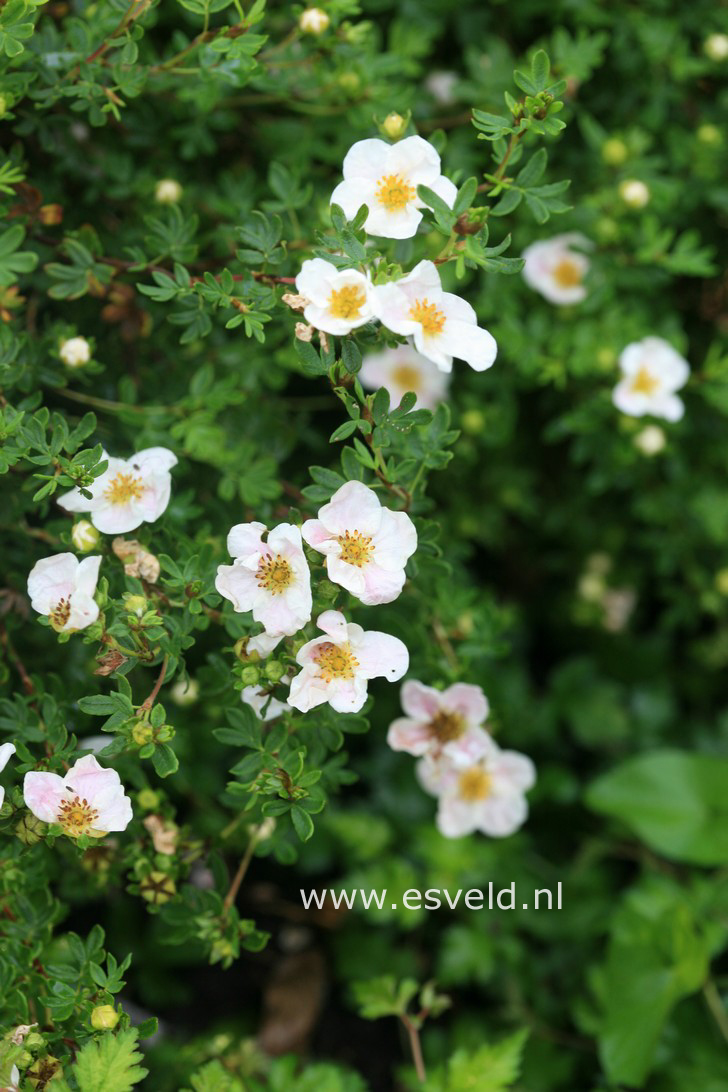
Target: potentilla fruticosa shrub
{"x":363,"y":437}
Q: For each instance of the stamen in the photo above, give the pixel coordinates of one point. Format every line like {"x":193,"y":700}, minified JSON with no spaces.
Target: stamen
{"x":60,"y":614}
{"x":274,"y":574}
{"x":356,"y":548}
{"x":394,"y":193}
{"x":123,"y":488}
{"x":567,"y":273}
{"x":429,"y":316}
{"x":644,"y":383}
{"x":335,"y":661}
{"x":76,"y":816}
{"x":447,"y":726}
{"x":474,"y":784}
{"x":347,"y":302}
{"x":407,"y":376}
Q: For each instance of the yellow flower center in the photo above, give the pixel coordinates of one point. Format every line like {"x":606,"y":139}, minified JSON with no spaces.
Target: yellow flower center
{"x":447,"y":726}
{"x":356,"y":548}
{"x":274,"y":574}
{"x":394,"y":193}
{"x":60,"y":613}
{"x":567,"y":273}
{"x":474,"y":784}
{"x":335,"y":661}
{"x":426,"y":313}
{"x":77,"y":817}
{"x":407,"y":377}
{"x":347,"y":302}
{"x":644,"y":383}
{"x":123,"y":488}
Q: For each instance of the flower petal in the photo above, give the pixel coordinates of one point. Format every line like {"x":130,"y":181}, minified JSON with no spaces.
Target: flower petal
{"x":43,"y":793}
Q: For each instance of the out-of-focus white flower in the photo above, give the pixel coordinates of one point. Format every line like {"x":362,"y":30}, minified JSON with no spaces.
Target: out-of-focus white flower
{"x":271,"y":578}
{"x":87,"y":800}
{"x":15,"y":1078}
{"x":366,"y":545}
{"x":486,"y":793}
{"x":385,"y":177}
{"x":437,"y":719}
{"x":403,"y":369}
{"x":652,"y":372}
{"x":129,"y":492}
{"x":339,"y":299}
{"x":441,"y":86}
{"x":715,"y":46}
{"x":618,"y":604}
{"x":75,"y":352}
{"x":555,"y":270}
{"x":651,"y":440}
{"x":84,"y":536}
{"x":313,"y":21}
{"x":634,"y":193}
{"x":337,"y":666}
{"x":7,"y":750}
{"x":265,"y":706}
{"x":185,"y":692}
{"x":62,"y":587}
{"x":443,"y":325}
{"x":167,"y":191}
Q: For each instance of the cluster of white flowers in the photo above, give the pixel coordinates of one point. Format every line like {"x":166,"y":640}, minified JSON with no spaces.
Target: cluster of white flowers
{"x":385,"y":178}
{"x":478,"y":785}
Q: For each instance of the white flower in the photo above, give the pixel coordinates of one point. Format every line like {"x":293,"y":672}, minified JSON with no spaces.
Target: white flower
{"x":385,"y":177}
{"x":63,"y":587}
{"x":651,"y":440}
{"x":716,"y":47}
{"x":339,"y":300}
{"x":185,"y":692}
{"x":443,"y":325}
{"x":404,"y":369}
{"x":366,"y":545}
{"x":437,"y":719}
{"x":6,"y":752}
{"x":84,"y":536}
{"x":266,"y":707}
{"x":262,"y":644}
{"x":129,"y":492}
{"x":652,"y":371}
{"x":87,"y":800}
{"x":167,"y":191}
{"x":15,"y":1077}
{"x":486,"y":793}
{"x":634,"y":193}
{"x":441,"y":86}
{"x":270,"y":578}
{"x":313,"y":21}
{"x":336,"y":667}
{"x":555,"y":270}
{"x":75,"y":352}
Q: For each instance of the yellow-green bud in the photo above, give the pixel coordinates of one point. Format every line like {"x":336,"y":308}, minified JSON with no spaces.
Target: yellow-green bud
{"x":136,"y":604}
{"x":274,"y":670}
{"x":240,"y":648}
{"x":715,"y":46}
{"x":250,"y":676}
{"x":148,"y":799}
{"x":167,"y":191}
{"x":104,"y":1018}
{"x":721,"y":581}
{"x":313,"y":21}
{"x":84,"y":536}
{"x":349,"y":81}
{"x":473,"y":422}
{"x":142,"y":732}
{"x":634,"y":193}
{"x":606,"y":357}
{"x":709,"y":134}
{"x":30,"y":830}
{"x":614,"y":151}
{"x":158,"y":888}
{"x":394,"y":125}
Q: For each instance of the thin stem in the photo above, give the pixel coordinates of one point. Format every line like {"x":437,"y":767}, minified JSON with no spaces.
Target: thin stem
{"x":416,"y":1048}
{"x":716,"y":1006}
{"x":149,"y":702}
{"x":501,"y":170}
{"x":113,"y":407}
{"x":13,"y":656}
{"x":242,"y":869}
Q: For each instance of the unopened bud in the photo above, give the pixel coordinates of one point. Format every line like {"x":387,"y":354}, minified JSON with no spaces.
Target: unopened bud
{"x":30,"y":830}
{"x":394,"y":125}
{"x":136,"y":604}
{"x":274,"y":670}
{"x":473,"y":422}
{"x":84,"y":536}
{"x":250,"y":676}
{"x":75,"y":352}
{"x":715,"y":46}
{"x":167,"y":191}
{"x":634,"y":193}
{"x":721,"y":581}
{"x":104,"y":1018}
{"x":651,"y":440}
{"x":142,"y":732}
{"x":709,"y":134}
{"x":614,"y":151}
{"x":313,"y":21}
{"x":158,"y":888}
{"x":148,"y":799}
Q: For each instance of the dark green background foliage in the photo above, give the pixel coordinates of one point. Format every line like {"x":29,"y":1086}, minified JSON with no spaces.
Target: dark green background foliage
{"x":531,"y":474}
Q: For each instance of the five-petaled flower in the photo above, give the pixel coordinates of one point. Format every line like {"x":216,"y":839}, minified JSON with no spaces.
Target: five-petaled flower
{"x":403,"y":369}
{"x":338,"y":300}
{"x":366,"y":545}
{"x":262,"y":703}
{"x":337,"y":666}
{"x":88,"y":799}
{"x":7,"y":750}
{"x":443,"y":325}
{"x":555,"y":270}
{"x":652,"y":372}
{"x":270,"y":578}
{"x":62,"y":587}
{"x":385,"y":177}
{"x":128,"y":493}
{"x":483,"y":790}
{"x":440,"y":719}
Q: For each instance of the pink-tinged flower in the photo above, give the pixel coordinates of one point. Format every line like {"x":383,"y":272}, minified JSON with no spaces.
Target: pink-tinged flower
{"x":336,"y":667}
{"x":555,"y":270}
{"x":129,"y":492}
{"x":652,"y":372}
{"x":435,"y":719}
{"x":484,"y":791}
{"x":443,"y":325}
{"x":270,"y":578}
{"x":265,"y":706}
{"x":366,"y":545}
{"x":385,"y":177}
{"x":62,"y":587}
{"x":88,"y":800}
{"x":338,"y":300}
{"x":263,"y":644}
{"x":7,"y":750}
{"x":401,"y":370}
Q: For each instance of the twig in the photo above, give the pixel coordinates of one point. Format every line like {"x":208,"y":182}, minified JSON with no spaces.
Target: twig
{"x":717,"y":1009}
{"x":416,"y":1048}
{"x":242,"y":869}
{"x":149,"y":702}
{"x":28,"y":684}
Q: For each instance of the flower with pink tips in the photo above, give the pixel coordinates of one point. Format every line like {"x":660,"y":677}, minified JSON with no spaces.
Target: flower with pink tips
{"x":88,"y":799}
{"x":435,"y":719}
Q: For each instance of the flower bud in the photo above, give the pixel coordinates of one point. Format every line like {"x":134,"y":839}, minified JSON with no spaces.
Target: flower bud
{"x":394,"y":125}
{"x":84,"y":536}
{"x":715,"y":47}
{"x":136,"y":604}
{"x":75,"y":352}
{"x":4,"y":105}
{"x":709,"y":134}
{"x":614,"y":151}
{"x":651,"y":440}
{"x":142,"y":732}
{"x":274,"y":670}
{"x":148,"y":799}
{"x":473,"y":422}
{"x":634,"y":193}
{"x":43,"y":1071}
{"x":313,"y":21}
{"x":185,"y":692}
{"x":250,"y":675}
{"x":167,"y":191}
{"x":606,"y":357}
{"x":349,"y":81}
{"x":30,"y":830}
{"x":158,"y":888}
{"x":104,"y":1018}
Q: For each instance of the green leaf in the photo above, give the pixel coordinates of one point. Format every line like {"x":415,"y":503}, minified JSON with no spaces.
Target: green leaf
{"x":109,"y":1064}
{"x":302,"y":823}
{"x":540,"y":69}
{"x":164,"y":760}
